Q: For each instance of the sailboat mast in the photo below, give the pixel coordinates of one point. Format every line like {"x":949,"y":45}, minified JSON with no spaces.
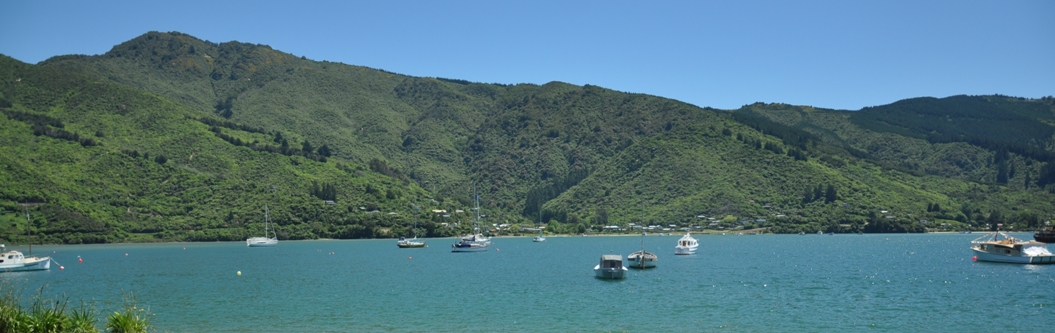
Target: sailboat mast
{"x":267,"y":220}
{"x":29,"y":228}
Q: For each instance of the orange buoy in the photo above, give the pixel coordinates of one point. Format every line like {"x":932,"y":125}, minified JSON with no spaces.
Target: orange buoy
{"x":79,"y":259}
{"x":974,"y":258}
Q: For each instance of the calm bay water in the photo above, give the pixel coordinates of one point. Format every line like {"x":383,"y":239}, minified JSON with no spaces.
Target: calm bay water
{"x":734,"y":283}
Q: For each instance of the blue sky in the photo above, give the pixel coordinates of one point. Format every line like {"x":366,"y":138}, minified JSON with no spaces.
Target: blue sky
{"x":723,"y":54}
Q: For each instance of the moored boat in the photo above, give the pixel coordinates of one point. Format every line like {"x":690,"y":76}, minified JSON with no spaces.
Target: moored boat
{"x":686,"y":245}
{"x":412,"y":243}
{"x":1045,"y":235}
{"x":1011,"y":250}
{"x":642,"y":259}
{"x":476,"y":242}
{"x":14,"y":261}
{"x":404,"y":243}
{"x":265,"y":241}
{"x":610,"y":267}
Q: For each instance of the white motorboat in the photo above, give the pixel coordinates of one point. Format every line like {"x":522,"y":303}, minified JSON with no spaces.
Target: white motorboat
{"x":404,"y":243}
{"x":476,"y":242}
{"x":14,"y":261}
{"x":686,"y":245}
{"x":642,"y":259}
{"x":1011,"y":250}
{"x":268,"y":230}
{"x":610,"y":267}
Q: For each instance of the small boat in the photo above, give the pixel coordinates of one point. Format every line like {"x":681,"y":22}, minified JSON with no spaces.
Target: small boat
{"x":539,"y":238}
{"x":412,"y":243}
{"x":686,"y":245}
{"x":642,"y":259}
{"x":404,"y":243}
{"x":1011,"y":250}
{"x":268,"y":230}
{"x":610,"y":267}
{"x":14,"y":261}
{"x":476,"y":242}
{"x":1045,"y":235}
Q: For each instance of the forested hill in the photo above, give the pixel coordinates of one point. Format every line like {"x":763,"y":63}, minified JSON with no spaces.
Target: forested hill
{"x":168,"y":137}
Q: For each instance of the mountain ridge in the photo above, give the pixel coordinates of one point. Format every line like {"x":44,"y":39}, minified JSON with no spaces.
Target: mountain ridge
{"x":583,"y":155}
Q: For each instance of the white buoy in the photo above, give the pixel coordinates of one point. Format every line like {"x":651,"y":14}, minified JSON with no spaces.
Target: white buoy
{"x":239,"y":273}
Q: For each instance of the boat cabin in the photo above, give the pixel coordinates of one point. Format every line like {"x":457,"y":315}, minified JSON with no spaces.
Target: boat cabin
{"x":611,"y":261}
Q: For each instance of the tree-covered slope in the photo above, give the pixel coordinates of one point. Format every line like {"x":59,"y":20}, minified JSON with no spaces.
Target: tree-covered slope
{"x":112,"y":163}
{"x":232,"y":118}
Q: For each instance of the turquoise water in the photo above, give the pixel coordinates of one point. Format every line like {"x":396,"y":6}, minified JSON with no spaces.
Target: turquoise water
{"x":734,"y":283}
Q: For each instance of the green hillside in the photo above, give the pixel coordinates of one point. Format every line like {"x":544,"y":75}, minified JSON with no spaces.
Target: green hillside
{"x":84,"y":135}
{"x":112,"y":163}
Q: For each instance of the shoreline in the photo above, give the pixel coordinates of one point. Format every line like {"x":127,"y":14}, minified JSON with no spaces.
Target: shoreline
{"x":705,"y":233}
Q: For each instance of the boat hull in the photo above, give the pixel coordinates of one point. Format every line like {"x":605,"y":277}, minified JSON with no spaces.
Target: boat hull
{"x":1044,"y":236}
{"x":538,"y":239}
{"x":410,"y":245}
{"x":30,"y":264}
{"x":641,"y":260}
{"x":609,"y":273}
{"x":1014,"y":259}
{"x":641,"y":263}
{"x":685,"y":250}
{"x":469,"y":249}
{"x":261,"y":242}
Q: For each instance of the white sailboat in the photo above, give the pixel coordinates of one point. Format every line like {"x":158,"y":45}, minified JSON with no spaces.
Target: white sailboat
{"x":268,"y":230}
{"x":476,"y":242}
{"x":404,"y":243}
{"x":14,"y":261}
{"x":539,"y":238}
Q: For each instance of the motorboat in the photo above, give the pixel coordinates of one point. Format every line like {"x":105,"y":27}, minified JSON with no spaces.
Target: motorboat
{"x":14,"y":261}
{"x":1045,"y":235}
{"x":404,"y":243}
{"x":470,"y":245}
{"x":265,"y":241}
{"x":476,"y":242}
{"x":686,"y":245}
{"x":642,"y":259}
{"x":610,"y":267}
{"x":1011,"y":250}
{"x":538,"y":239}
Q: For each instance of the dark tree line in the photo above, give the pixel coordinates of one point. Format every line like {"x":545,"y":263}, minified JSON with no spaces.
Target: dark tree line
{"x":382,"y":167}
{"x":327,"y":191}
{"x":48,"y":126}
{"x":231,"y":125}
{"x":789,"y":135}
{"x":829,"y":194}
{"x":284,"y":149}
{"x":541,"y":194}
